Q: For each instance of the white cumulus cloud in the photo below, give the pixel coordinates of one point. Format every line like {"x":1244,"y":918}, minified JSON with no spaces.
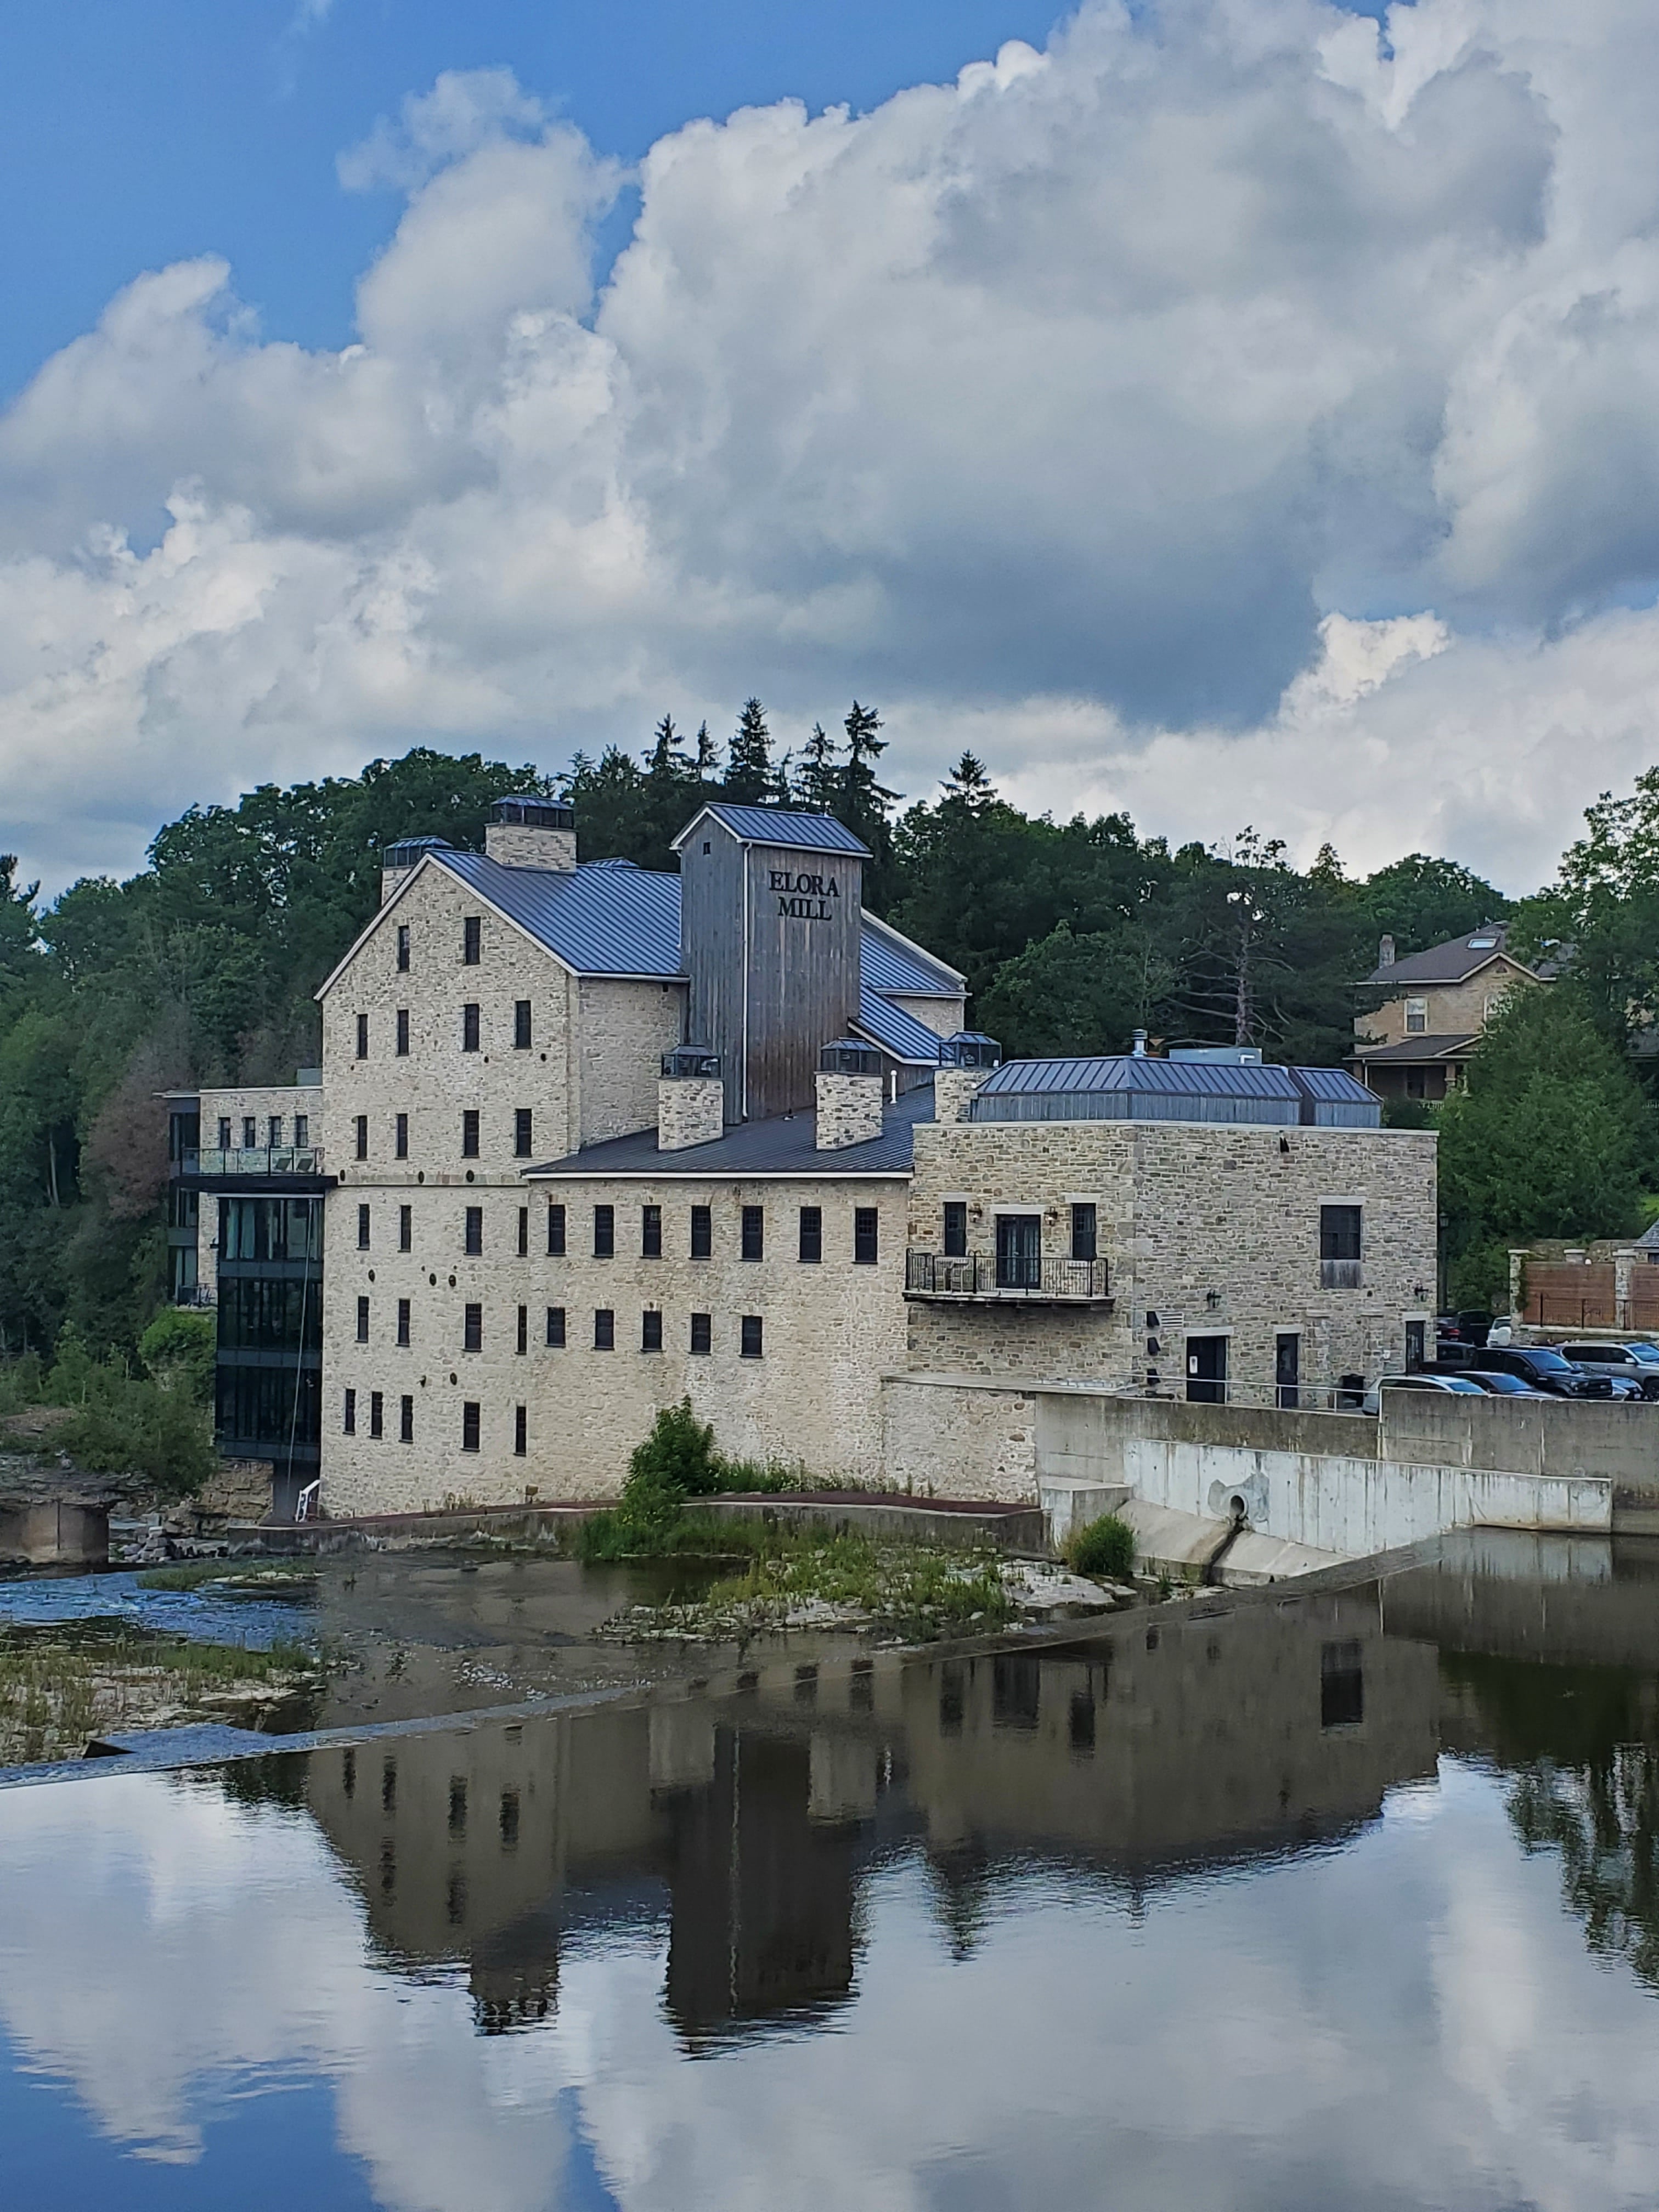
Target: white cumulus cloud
{"x":1238,"y":412}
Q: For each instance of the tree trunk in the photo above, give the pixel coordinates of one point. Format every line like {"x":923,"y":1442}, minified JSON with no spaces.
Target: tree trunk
{"x":51,"y":1166}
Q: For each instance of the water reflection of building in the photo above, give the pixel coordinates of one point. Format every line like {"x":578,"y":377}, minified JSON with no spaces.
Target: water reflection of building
{"x":750,"y":1813}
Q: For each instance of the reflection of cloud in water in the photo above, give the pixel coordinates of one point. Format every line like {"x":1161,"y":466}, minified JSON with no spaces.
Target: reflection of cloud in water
{"x":1410,"y":2019}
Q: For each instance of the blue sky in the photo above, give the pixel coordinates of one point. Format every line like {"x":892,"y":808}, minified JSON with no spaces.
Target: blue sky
{"x":132,"y":135}
{"x":1214,"y":409}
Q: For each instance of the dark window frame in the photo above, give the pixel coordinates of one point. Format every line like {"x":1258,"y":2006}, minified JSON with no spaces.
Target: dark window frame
{"x":471,"y":941}
{"x":810,"y":1249}
{"x":1085,"y":1229}
{"x":401,"y":1048}
{"x":556,"y":1232}
{"x":405,"y":1322}
{"x":523,"y":1140}
{"x":521,"y":1431}
{"x":406,"y":1420}
{"x":362,"y":1320}
{"x":472,"y":1325}
{"x":360,"y":1136}
{"x":953,"y":1233}
{"x":703,"y":1232}
{"x":471,"y":1424}
{"x":469,"y":1133}
{"x":522,"y":1038}
{"x":752,"y":1342}
{"x":362,"y":1036}
{"x":400,"y":1136}
{"x":650,"y":1232}
{"x":364,"y":1224}
{"x":405,"y":1228}
{"x":604,"y":1329}
{"x":651,"y":1330}
{"x":471,"y":1030}
{"x":556,"y":1331}
{"x":472,"y":1233}
{"x":377,"y":1415}
{"x":866,"y":1236}
{"x":702,"y":1335}
{"x":604,"y":1232}
{"x":524,"y":1331}
{"x":403,"y":948}
{"x":349,"y":1414}
{"x":754,"y":1233}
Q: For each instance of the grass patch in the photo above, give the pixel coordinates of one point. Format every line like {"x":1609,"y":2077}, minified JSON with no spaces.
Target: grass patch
{"x":910,"y":1589}
{"x":57,"y":1690}
{"x":246,"y":1574}
{"x":1105,"y":1546}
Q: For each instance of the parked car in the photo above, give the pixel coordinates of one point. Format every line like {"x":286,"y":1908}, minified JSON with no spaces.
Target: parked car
{"x":1503,"y":1386}
{"x":1448,"y":1386}
{"x":1545,"y":1369}
{"x":1635,"y":1363}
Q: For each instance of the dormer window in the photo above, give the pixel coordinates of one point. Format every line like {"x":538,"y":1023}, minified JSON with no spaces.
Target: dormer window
{"x":1417,"y":1017}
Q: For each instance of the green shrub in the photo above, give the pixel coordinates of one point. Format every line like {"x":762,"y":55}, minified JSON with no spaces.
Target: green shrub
{"x":1106,"y":1546}
{"x":678,"y":1455}
{"x":178,"y":1348}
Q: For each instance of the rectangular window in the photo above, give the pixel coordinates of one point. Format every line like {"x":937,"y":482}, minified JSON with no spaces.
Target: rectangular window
{"x":556,"y":1232}
{"x":470,"y":1426}
{"x":521,"y":1024}
{"x":224,"y":1132}
{"x":524,"y":1328}
{"x":474,"y":1237}
{"x":362,"y":1229}
{"x":403,"y":948}
{"x":523,"y":1125}
{"x":405,"y":1421}
{"x":754,"y":1232}
{"x":362,"y":1036}
{"x":403,"y":1033}
{"x":1339,"y":1248}
{"x":470,"y":1026}
{"x":405,"y":1228}
{"x":751,"y":1336}
{"x":521,"y":1431}
{"x":702,"y":1232}
{"x":702,"y":1333}
{"x":403,"y":1324}
{"x":1084,"y":1230}
{"x":376,"y":1414}
{"x":604,"y":1232}
{"x":605,"y":1329}
{"x":556,"y":1326}
{"x":362,"y":1320}
{"x":956,"y":1229}
{"x":811,"y":1234}
{"x":301,"y":1130}
{"x":524,"y":1232}
{"x":274,"y":1133}
{"x":651,"y":1232}
{"x":867,"y":1233}
{"x":473,"y":1329}
{"x":250,"y":1133}
{"x":400,"y":1136}
{"x":469,"y":1133}
{"x":651,"y":1330}
{"x":1417,"y":1017}
{"x":349,"y":1416}
{"x":1287,"y":1372}
{"x":362,"y":1136}
{"x":472,"y":940}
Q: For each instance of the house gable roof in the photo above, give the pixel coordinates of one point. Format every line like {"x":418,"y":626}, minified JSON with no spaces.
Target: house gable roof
{"x":1453,"y":962}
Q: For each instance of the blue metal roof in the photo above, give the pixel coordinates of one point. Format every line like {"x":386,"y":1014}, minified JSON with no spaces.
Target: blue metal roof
{"x":1129,"y":1087}
{"x":896,"y":1032}
{"x":602,"y":920}
{"x":890,"y":967}
{"x":784,"y":1145}
{"x":780,"y":825}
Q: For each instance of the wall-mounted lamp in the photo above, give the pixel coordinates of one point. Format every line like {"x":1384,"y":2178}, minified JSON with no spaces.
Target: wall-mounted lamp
{"x":1213,"y":1299}
{"x":1153,"y":1321}
{"x":1153,"y":1347}
{"x":1284,"y":1143}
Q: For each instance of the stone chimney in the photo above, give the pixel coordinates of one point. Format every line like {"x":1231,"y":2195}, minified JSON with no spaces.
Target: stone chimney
{"x":531,"y":833}
{"x":690,"y":1099}
{"x":965,"y":1061}
{"x":402,"y":860}
{"x":1385,"y":953}
{"x":849,"y":1095}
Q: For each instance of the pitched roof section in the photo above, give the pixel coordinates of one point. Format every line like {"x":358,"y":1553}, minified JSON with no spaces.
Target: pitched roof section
{"x":908,"y":1041}
{"x":600,"y":920}
{"x":779,"y":825}
{"x":1454,"y":1045}
{"x":783,"y":1144}
{"x":1453,"y":962}
{"x":890,"y":962}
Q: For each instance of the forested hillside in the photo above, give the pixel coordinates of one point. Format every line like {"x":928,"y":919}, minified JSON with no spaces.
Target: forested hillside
{"x":201,"y":967}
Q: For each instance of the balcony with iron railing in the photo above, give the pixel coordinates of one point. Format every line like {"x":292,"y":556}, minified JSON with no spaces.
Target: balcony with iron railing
{"x":253,"y":1160}
{"x":1008,"y":1278}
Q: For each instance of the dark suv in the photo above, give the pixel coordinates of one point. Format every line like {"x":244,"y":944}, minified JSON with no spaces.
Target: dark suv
{"x":1544,"y":1369}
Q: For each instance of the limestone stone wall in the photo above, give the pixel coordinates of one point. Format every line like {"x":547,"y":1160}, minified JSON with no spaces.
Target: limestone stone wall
{"x":944,"y":1016}
{"x":516,"y":845}
{"x":690,"y":1110}
{"x":948,"y":1437}
{"x":626,"y":1028}
{"x":1214,"y":1229}
{"x":829,"y":1331}
{"x":954,"y":1090}
{"x":235,"y":1102}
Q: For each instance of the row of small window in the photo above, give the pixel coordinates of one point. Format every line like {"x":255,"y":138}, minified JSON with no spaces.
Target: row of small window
{"x":809,"y":1249}
{"x":751,"y":1333}
{"x":524,"y":1125}
{"x":273,"y":1132}
{"x":471,"y":942}
{"x":471,"y":1417}
{"x":471,"y":1028}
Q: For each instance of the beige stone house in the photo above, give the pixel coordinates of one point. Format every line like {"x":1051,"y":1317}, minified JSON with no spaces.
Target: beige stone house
{"x":1417,"y":1043}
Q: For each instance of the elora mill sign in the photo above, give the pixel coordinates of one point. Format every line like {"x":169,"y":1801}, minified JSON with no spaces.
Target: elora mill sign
{"x":804,"y":898}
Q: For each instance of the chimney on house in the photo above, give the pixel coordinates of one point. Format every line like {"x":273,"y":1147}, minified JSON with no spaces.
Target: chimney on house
{"x":849,"y":1095}
{"x":402,"y":860}
{"x":965,"y":1061}
{"x":531,"y":833}
{"x":690,"y":1099}
{"x":1385,"y":953}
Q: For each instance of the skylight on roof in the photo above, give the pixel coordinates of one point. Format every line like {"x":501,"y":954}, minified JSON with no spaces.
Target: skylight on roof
{"x":1482,"y":944}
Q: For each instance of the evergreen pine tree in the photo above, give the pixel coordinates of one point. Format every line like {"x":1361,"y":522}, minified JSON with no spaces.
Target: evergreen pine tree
{"x":750,"y":777}
{"x":709,"y":758}
{"x":861,"y":802}
{"x":815,"y":784}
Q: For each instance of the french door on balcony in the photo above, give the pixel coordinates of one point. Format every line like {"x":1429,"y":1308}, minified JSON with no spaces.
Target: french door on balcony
{"x":1020,"y":1251}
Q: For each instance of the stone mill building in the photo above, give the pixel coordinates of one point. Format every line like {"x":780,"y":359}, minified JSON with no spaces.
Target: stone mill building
{"x":588,"y":1138}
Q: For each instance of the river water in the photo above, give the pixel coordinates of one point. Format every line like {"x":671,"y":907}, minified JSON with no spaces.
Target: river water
{"x":1343,"y":1900}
